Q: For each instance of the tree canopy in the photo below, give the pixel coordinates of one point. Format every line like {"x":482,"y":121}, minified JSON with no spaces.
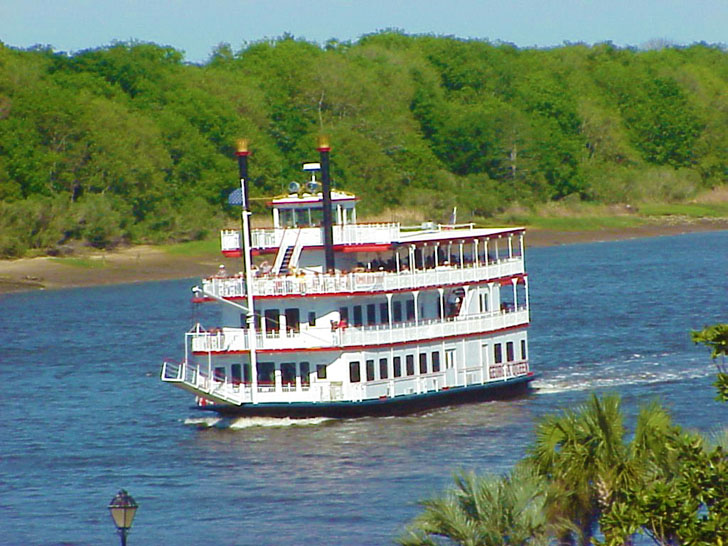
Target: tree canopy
{"x":128,"y":142}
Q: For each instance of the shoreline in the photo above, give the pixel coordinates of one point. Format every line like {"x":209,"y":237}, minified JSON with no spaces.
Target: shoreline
{"x":147,"y":263}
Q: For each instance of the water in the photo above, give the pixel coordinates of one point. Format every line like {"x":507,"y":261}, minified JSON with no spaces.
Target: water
{"x":84,"y":413}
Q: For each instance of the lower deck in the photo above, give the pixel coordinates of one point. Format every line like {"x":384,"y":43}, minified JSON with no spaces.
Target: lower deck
{"x":401,"y":405}
{"x":320,"y":377}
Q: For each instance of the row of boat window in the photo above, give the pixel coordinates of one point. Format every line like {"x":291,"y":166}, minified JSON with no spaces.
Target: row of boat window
{"x":383,"y":367}
{"x":401,"y":311}
{"x":373,"y":370}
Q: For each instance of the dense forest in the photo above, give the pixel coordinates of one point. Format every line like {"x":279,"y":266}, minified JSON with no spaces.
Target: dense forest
{"x":129,"y":143}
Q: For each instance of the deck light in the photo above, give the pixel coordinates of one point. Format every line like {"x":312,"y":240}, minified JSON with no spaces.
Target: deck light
{"x":122,"y":509}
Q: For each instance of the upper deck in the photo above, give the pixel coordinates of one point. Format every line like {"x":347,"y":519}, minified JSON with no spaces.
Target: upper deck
{"x":478,"y":255}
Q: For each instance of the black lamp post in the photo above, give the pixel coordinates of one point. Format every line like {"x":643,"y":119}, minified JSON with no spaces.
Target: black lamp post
{"x":122,"y":510}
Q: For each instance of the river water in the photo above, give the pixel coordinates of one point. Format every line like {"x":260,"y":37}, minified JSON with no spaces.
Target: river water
{"x":84,"y":413}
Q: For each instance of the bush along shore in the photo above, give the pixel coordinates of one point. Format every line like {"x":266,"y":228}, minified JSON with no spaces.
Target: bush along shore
{"x":129,"y":144}
{"x":195,"y":259}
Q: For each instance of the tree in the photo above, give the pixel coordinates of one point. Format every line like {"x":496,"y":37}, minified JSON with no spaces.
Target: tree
{"x":716,"y":338}
{"x":487,"y":511}
{"x":583,"y":456}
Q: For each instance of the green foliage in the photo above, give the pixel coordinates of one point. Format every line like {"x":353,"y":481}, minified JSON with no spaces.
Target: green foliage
{"x":488,"y":511}
{"x":715,"y":337}
{"x":131,"y":133}
{"x":585,"y":477}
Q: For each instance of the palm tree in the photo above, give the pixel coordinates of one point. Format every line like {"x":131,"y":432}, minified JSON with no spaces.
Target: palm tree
{"x":582,"y":454}
{"x":485,"y":511}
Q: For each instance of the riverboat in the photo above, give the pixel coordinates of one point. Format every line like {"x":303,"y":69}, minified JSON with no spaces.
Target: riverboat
{"x":349,"y":319}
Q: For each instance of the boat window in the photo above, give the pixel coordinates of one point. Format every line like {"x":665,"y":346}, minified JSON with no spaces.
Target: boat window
{"x":266,"y":374}
{"x":450,"y":359}
{"x":383,"y":368}
{"x":383,"y":313}
{"x":220,"y":374}
{"x":371,"y":314}
{"x":288,"y":374}
{"x":343,"y":314}
{"x":286,"y":217}
{"x":357,"y":315}
{"x":370,"y":370}
{"x":397,"y":363}
{"x":293,"y":320}
{"x":354,"y":372}
{"x":435,"y":361}
{"x":317,"y":216}
{"x":236,"y":373}
{"x":320,"y":371}
{"x":523,"y":349}
{"x":509,"y":351}
{"x":397,"y":311}
{"x":498,"y":353}
{"x":411,"y":309}
{"x":423,"y":362}
{"x":305,"y":373}
{"x":271,"y":320}
{"x":243,"y":320}
{"x":247,"y":376}
{"x":410,"y":359}
{"x":484,"y":302}
{"x":302,"y":217}
{"x":312,"y":318}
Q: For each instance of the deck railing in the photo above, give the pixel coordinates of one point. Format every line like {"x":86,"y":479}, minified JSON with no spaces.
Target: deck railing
{"x":349,"y":234}
{"x":366,"y":281}
{"x":193,"y":379}
{"x":236,"y":339}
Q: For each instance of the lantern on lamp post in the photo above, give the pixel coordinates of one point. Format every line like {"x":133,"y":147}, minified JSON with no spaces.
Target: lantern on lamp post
{"x":122,"y":509}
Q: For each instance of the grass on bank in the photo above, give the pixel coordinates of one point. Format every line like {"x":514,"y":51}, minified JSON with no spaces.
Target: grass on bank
{"x":81,"y":263}
{"x":193,"y":249}
{"x":689,"y":210}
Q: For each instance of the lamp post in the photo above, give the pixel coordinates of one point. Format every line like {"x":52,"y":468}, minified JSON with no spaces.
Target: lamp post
{"x":123,"y":508}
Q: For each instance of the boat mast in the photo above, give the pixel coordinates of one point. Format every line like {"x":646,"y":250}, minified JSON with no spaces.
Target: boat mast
{"x":243,"y":153}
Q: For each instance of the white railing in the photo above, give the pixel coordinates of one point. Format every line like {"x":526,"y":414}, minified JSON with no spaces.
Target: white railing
{"x":192,"y":378}
{"x":382,"y":334}
{"x":236,"y":339}
{"x":348,"y":234}
{"x":367,"y":281}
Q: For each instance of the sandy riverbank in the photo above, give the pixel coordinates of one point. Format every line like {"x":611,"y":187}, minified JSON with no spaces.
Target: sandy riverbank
{"x":146,"y":263}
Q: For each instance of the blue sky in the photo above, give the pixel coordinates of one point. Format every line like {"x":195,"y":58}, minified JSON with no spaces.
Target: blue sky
{"x":197,"y":26}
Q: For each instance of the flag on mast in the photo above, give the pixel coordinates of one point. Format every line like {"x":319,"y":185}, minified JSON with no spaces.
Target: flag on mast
{"x":454,"y":216}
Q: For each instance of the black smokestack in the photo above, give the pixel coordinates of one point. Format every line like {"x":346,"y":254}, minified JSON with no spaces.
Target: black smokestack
{"x":324,"y":149}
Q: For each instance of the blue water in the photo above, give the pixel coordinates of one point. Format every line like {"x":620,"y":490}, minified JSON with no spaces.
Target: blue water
{"x":84,"y":413}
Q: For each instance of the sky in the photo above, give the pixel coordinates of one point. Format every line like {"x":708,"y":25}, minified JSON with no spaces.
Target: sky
{"x":196,"y":27}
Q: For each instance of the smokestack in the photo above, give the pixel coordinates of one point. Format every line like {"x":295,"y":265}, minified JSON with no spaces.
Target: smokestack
{"x":242,"y":152}
{"x":324,"y":149}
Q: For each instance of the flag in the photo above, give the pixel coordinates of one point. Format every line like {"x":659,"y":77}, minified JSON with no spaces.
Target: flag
{"x":236,"y":198}
{"x":454,"y":216}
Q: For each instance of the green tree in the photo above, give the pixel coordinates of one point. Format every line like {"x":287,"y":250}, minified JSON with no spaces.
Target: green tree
{"x":715,"y":337}
{"x":583,"y":455}
{"x":486,"y":511}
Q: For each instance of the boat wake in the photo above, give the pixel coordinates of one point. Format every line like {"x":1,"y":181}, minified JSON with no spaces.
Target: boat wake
{"x":241,"y":423}
{"x":580,"y":381}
